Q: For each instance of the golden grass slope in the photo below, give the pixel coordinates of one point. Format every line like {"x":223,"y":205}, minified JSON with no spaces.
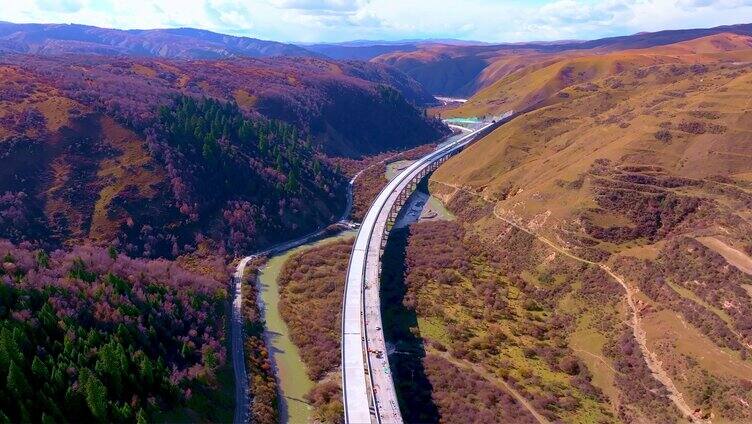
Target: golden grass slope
{"x":535,"y":165}
{"x":538,"y":77}
{"x":628,"y":168}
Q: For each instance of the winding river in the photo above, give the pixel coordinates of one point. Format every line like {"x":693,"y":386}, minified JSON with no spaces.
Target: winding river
{"x":294,"y":383}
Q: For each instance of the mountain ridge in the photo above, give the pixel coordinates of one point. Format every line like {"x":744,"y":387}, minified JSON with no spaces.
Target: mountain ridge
{"x":184,"y":43}
{"x":462,"y":70}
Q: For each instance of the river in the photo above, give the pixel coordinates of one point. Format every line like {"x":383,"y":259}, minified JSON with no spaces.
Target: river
{"x":294,"y":383}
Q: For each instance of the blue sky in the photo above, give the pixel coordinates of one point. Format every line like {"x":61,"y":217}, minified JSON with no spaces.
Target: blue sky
{"x":340,"y":20}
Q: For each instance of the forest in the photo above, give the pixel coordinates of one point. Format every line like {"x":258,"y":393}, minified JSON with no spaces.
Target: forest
{"x":106,"y":167}
{"x":350,"y":109}
{"x":92,"y":335}
{"x":111,"y":159}
{"x":258,"y":173}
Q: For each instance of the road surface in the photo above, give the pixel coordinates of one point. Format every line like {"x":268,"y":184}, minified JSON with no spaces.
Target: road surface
{"x":236,"y":325}
{"x":447,"y":100}
{"x":368,"y":388}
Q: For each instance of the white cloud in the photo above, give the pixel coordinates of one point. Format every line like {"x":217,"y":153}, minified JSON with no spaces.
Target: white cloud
{"x":337,"y":20}
{"x":66,"y":6}
{"x":321,"y":5}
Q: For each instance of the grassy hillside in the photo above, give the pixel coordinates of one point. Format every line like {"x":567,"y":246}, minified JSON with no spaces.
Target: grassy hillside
{"x":528,"y":80}
{"x":638,"y":167}
{"x":681,"y":120}
{"x":461,"y":70}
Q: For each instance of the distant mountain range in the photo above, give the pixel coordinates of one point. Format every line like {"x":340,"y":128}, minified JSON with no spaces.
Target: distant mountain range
{"x":446,"y":66}
{"x":191,"y":43}
{"x":179,"y":43}
{"x":463,"y":70}
{"x":367,"y":50}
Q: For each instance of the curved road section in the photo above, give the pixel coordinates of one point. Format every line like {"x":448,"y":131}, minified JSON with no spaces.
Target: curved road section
{"x":242,"y":406}
{"x":368,"y":389}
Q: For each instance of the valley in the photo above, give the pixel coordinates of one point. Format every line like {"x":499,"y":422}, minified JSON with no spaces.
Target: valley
{"x":200,"y":227}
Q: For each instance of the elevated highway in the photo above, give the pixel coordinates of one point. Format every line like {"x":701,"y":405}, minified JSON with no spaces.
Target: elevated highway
{"x":367,"y":386}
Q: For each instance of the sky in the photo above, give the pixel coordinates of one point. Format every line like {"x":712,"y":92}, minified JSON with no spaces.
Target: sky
{"x":343,"y":20}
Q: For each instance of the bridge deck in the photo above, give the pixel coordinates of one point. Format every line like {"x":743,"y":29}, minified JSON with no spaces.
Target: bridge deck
{"x":367,"y":385}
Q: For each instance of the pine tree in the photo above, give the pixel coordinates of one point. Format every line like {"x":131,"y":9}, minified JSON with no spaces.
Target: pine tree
{"x":16,"y":381}
{"x":123,"y":413}
{"x":96,"y":395}
{"x":113,"y":363}
{"x":210,"y":148}
{"x":146,"y":370}
{"x":57,"y":378}
{"x":39,"y":369}
{"x":141,"y":417}
{"x":279,"y":162}
{"x":46,"y":419}
{"x":9,"y":350}
{"x":316,"y":167}
{"x":43,"y":259}
{"x":112,"y":252}
{"x":262,"y":142}
{"x":47,"y":317}
{"x":24,"y":411}
{"x":292,"y":183}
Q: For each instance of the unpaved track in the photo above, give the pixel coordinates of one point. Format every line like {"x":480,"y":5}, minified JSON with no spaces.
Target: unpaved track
{"x":652,"y":361}
{"x":733,"y":256}
{"x":638,"y":331}
{"x":478,"y":369}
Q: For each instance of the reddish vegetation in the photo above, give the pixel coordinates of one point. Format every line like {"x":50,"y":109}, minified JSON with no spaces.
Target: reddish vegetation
{"x":465,"y":398}
{"x":326,"y":398}
{"x":691,"y":265}
{"x":465,"y":282}
{"x":373,"y":179}
{"x":327,"y":100}
{"x":262,"y":383}
{"x":636,"y":382}
{"x":311,"y":288}
{"x":73,"y":132}
{"x":644,"y":196}
{"x":184,"y":43}
{"x":699,"y":127}
{"x":91,"y":335}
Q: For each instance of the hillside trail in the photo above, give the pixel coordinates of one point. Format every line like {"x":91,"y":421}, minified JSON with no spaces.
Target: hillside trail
{"x":600,"y":359}
{"x":651,"y":359}
{"x":478,"y":369}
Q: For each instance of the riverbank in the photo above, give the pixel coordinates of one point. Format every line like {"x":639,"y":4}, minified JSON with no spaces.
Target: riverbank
{"x":290,"y":369}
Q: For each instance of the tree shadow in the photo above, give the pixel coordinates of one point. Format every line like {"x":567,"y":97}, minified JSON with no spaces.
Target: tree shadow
{"x":413,"y":387}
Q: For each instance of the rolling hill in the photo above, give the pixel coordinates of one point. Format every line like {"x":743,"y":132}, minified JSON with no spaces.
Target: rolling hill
{"x":150,"y":154}
{"x":634,"y":168}
{"x":183,"y":43}
{"x":461,"y":70}
{"x":532,"y":79}
{"x":359,"y":51}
